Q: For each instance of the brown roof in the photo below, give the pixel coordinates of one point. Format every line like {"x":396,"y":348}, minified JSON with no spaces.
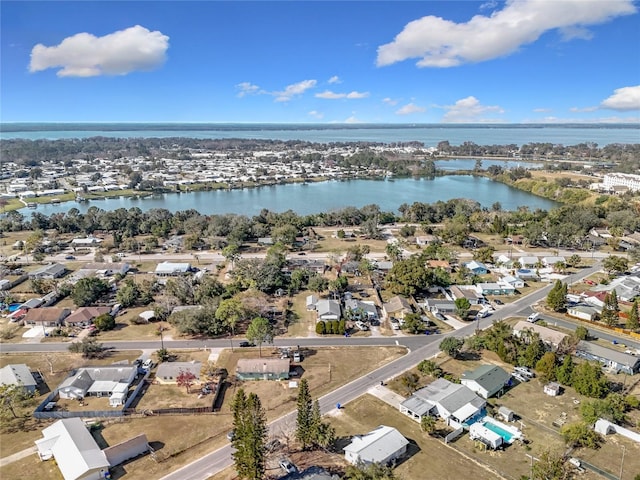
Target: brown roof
{"x":263,"y":365}
{"x":85,"y":314}
{"x":438,"y":263}
{"x":46,"y":314}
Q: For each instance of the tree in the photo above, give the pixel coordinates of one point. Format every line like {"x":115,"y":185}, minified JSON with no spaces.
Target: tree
{"x":564,"y":373}
{"x":546,"y":366}
{"x":260,"y":331}
{"x":104,"y":322}
{"x":88,"y":347}
{"x":413,"y":323}
{"x":589,"y":380}
{"x":231,"y":311}
{"x":451,"y":346}
{"x":87,"y":290}
{"x":250,"y":435}
{"x":185,"y":379}
{"x":427,"y":424}
{"x":11,"y":398}
{"x":614,"y":264}
{"x":462,"y":307}
{"x":128,"y":293}
{"x":612,"y":408}
{"x":371,"y":471}
{"x":410,"y":382}
{"x":304,"y":432}
{"x":574,"y":260}
{"x":163,"y":354}
{"x":611,"y":310}
{"x":429,"y":367}
{"x":580,"y":435}
{"x":581,"y":332}
{"x":323,"y":434}
{"x":550,"y":466}
{"x":557,"y":296}
{"x":632,"y":321}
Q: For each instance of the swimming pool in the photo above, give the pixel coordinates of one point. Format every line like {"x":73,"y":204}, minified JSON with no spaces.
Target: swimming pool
{"x":13,"y":307}
{"x":507,"y":436}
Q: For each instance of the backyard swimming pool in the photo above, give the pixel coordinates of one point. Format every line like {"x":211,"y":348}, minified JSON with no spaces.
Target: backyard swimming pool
{"x":506,"y":435}
{"x":13,"y":307}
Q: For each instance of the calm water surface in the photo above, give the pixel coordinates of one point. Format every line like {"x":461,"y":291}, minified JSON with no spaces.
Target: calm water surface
{"x":324,"y":197}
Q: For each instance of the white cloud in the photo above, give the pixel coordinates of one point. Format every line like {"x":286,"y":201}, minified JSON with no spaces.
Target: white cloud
{"x":469,"y":110}
{"x":294,"y":90}
{"x":583,"y":109}
{"x":442,"y":43}
{"x":329,"y":95}
{"x":247,"y":88}
{"x":390,"y":101}
{"x":410,"y":108}
{"x":583,"y":120}
{"x":316,"y":114}
{"x":542,"y":110}
{"x":623,"y":99}
{"x":118,"y":53}
{"x":352,"y":119}
{"x":335,"y":79}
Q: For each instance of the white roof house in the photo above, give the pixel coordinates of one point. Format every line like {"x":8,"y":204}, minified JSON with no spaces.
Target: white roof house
{"x":19,"y":375}
{"x":76,"y":452}
{"x":382,"y":445}
{"x":171,"y":268}
{"x":101,"y":381}
{"x":328,"y":309}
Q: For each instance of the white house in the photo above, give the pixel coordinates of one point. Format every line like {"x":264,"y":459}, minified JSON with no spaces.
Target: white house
{"x":486,"y":380}
{"x":102,"y":381}
{"x":76,"y":453}
{"x":551,"y":337}
{"x":382,"y":445}
{"x":515,"y":282}
{"x":19,"y":375}
{"x":170,"y":268}
{"x":528,"y":261}
{"x":328,"y":309}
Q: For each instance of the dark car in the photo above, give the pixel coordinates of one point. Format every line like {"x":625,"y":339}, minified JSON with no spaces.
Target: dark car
{"x":69,"y":257}
{"x":498,"y":302}
{"x":246,"y":344}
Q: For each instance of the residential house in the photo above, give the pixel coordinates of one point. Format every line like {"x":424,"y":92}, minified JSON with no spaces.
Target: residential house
{"x":49,"y":272}
{"x":477,"y":268}
{"x":85,"y":242}
{"x":486,"y":380}
{"x":627,"y":287}
{"x":583,"y":312}
{"x":360,"y":310}
{"x":551,"y":261}
{"x":74,"y":449}
{"x":168,"y":372}
{"x":311,"y":302}
{"x":550,"y":337}
{"x":166,"y":269}
{"x":613,"y":359}
{"x":469,"y":293}
{"x":84,"y":316}
{"x":515,"y":282}
{"x":383,"y":265}
{"x":262,"y":369}
{"x":19,"y":375}
{"x":107,"y":269}
{"x":103,"y":381}
{"x":453,"y":402}
{"x":427,"y":239}
{"x":438,"y":305}
{"x":382,"y":445}
{"x":328,"y":310}
{"x":443,"y":264}
{"x":493,"y":288}
{"x":397,"y":307}
{"x":46,"y":316}
{"x":529,"y":261}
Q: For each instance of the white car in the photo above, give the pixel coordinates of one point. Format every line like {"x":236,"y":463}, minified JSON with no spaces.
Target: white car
{"x":534,"y":317}
{"x":524,"y":371}
{"x":287,"y":466}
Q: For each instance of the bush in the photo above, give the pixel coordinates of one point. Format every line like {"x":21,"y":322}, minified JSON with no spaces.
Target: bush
{"x":334,"y":326}
{"x":321,"y":327}
{"x":104,"y":322}
{"x":341,"y":327}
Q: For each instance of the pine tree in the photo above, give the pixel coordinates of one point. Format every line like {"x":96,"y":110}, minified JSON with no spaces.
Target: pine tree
{"x":632,"y":322}
{"x":250,"y":434}
{"x":304,"y":419}
{"x":556,"y":298}
{"x":611,"y":309}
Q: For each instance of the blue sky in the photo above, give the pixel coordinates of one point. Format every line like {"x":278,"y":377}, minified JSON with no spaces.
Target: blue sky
{"x":321,"y":61}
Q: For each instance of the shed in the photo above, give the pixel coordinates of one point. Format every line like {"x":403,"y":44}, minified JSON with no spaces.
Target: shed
{"x":506,"y":414}
{"x":126,"y":450}
{"x":263,"y":369}
{"x":382,"y":445}
{"x":553,"y":389}
{"x":19,"y":375}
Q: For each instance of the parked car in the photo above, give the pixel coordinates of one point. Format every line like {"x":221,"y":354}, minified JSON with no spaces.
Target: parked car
{"x":246,"y":344}
{"x":525,"y":371}
{"x":534,"y":317}
{"x":361,"y":325}
{"x":231,"y":435}
{"x":519,"y":377}
{"x":69,"y":257}
{"x":497,"y":301}
{"x":147,"y":364}
{"x":287,"y":466}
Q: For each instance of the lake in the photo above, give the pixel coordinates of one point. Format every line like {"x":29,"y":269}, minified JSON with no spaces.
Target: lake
{"x":319,"y":197}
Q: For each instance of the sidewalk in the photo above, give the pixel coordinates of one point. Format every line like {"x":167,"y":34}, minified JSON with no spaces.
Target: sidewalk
{"x":387,"y":396}
{"x":18,"y":456}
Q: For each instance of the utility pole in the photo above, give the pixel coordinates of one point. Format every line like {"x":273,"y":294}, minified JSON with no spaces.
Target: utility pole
{"x":622,"y":461}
